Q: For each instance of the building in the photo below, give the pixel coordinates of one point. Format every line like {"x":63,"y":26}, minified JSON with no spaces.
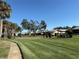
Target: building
{"x":65,"y":33}
{"x":59,"y":31}
{"x":75,"y":30}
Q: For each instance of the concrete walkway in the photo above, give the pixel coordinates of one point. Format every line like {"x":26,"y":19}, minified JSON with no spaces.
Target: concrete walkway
{"x":14,"y":52}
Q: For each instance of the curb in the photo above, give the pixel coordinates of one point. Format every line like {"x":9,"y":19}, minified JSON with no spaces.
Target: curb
{"x":14,"y":52}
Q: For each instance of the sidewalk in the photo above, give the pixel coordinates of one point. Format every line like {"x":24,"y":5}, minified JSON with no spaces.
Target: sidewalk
{"x":14,"y":52}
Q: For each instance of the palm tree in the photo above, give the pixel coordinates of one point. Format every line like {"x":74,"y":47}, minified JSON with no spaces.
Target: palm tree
{"x":10,"y":29}
{"x":14,"y":28}
{"x":5,"y":12}
{"x":5,"y":27}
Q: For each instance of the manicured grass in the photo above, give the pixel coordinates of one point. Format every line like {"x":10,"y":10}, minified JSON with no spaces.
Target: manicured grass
{"x":4,"y":49}
{"x":56,"y":48}
{"x":4,"y":52}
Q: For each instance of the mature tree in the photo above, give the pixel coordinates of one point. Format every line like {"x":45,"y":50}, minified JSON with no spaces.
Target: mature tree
{"x":65,"y":27}
{"x":25,"y":24}
{"x":9,"y":28}
{"x":5,"y":11}
{"x":42,"y":25}
{"x":13,"y":28}
{"x":31,"y":25}
{"x":19,"y":29}
{"x":74,"y":26}
{"x":5,"y":27}
{"x":58,"y":27}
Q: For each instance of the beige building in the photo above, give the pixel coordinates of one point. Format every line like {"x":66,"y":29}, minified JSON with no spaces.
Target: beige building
{"x":59,"y":31}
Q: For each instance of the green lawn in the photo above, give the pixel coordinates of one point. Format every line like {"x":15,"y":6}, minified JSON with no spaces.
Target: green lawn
{"x":41,"y":48}
{"x":4,"y":49}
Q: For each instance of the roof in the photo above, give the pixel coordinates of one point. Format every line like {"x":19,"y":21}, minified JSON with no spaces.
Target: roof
{"x":77,"y":27}
{"x":61,"y":30}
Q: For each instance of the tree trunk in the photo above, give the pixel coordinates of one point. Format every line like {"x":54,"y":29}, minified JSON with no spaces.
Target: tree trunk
{"x":5,"y":31}
{"x":13,"y":32}
{"x":1,"y":27}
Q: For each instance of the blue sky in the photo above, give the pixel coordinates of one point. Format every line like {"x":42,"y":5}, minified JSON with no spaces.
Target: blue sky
{"x":54,"y":12}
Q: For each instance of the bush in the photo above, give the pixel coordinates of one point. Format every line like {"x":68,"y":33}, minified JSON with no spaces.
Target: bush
{"x":9,"y":36}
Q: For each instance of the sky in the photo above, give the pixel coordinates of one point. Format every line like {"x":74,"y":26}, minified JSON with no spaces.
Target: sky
{"x":54,"y":12}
